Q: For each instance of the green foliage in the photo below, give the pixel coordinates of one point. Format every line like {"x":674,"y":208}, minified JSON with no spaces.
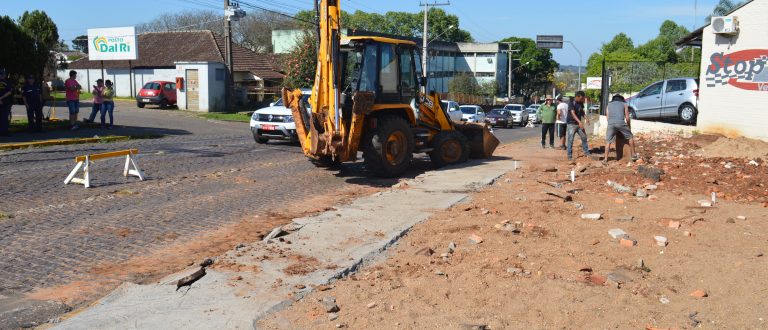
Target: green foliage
{"x":621,"y":42}
{"x":723,"y":8}
{"x":45,"y":35}
{"x":538,"y":74}
{"x":399,"y":23}
{"x":464,"y":83}
{"x":235,"y":116}
{"x":301,"y":63}
{"x":80,"y":43}
{"x":18,"y":52}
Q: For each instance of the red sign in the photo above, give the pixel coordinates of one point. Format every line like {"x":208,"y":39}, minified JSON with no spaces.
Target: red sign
{"x":744,"y":69}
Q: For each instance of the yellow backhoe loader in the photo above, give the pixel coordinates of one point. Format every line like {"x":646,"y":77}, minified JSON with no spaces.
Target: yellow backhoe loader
{"x":366,"y":97}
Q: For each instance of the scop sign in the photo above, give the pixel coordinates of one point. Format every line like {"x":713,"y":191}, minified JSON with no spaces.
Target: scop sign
{"x":112,"y":44}
{"x":746,"y":69}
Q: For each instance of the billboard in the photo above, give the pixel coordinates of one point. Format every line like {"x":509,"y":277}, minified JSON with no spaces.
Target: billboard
{"x":549,"y":41}
{"x":594,"y":83}
{"x":112,"y":44}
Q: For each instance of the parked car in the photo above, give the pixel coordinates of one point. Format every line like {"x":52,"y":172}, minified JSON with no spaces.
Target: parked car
{"x":532,"y":115}
{"x":499,"y":117}
{"x":160,"y":93}
{"x":275,"y":122}
{"x":519,"y":115}
{"x":671,"y":98}
{"x":472,"y":114}
{"x":454,"y":111}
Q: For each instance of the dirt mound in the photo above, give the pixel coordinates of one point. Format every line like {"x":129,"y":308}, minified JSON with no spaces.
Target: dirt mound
{"x":737,"y":148}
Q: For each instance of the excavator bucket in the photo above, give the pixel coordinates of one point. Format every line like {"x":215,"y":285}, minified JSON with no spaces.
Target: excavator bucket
{"x":482,"y":142}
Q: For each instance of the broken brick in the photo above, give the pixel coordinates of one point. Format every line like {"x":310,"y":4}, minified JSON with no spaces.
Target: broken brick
{"x":475,"y":239}
{"x":674,"y":224}
{"x":699,"y":294}
{"x":597,"y":279}
{"x":625,"y":242}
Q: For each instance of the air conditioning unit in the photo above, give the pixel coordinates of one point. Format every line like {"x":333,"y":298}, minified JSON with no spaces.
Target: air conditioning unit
{"x":725,"y":25}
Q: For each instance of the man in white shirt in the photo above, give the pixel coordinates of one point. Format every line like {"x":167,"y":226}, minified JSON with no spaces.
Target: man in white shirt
{"x":560,"y":122}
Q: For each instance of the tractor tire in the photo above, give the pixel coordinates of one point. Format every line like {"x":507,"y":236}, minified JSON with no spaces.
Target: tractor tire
{"x":450,"y":148}
{"x":388,"y":149}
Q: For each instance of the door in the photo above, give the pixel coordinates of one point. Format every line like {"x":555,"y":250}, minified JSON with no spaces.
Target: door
{"x":648,"y":104}
{"x":388,"y":75}
{"x":169,"y":90}
{"x":408,"y":86}
{"x":193,"y":90}
{"x":674,"y":95}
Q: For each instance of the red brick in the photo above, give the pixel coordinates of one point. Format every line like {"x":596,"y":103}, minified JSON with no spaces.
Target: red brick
{"x":699,"y":294}
{"x":597,"y":279}
{"x":674,"y":224}
{"x":627,"y":242}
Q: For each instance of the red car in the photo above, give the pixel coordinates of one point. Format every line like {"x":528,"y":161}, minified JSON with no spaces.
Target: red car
{"x":160,"y":93}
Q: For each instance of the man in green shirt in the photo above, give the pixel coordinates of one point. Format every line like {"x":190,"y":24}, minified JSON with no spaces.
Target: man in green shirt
{"x":547,"y":113}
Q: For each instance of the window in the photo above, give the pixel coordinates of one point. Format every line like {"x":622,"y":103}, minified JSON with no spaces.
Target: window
{"x":654,"y":89}
{"x":388,"y":79}
{"x":676,"y":86}
{"x":407,"y":75}
{"x":151,"y":85}
{"x":220,"y":74}
{"x":484,"y":74}
{"x":169,"y":87}
{"x":368,"y":75}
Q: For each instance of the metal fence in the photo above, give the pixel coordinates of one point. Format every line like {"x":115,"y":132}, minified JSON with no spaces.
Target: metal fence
{"x":655,"y":91}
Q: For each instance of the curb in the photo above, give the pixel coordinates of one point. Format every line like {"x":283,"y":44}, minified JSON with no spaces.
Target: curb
{"x":61,"y":142}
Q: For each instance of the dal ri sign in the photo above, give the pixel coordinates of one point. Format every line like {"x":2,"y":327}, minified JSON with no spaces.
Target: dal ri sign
{"x":112,"y":44}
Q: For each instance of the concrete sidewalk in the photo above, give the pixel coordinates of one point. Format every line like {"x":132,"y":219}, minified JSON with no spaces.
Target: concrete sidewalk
{"x":255,"y":279}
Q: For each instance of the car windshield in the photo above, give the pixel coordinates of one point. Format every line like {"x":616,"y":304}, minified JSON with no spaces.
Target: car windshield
{"x":444,"y":104}
{"x":514,"y":107}
{"x":304,"y":98}
{"x":468,"y":110}
{"x":279,"y":102}
{"x":497,"y":112}
{"x":151,"y":85}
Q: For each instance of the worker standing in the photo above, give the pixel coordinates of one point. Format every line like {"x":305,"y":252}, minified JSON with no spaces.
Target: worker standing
{"x":6,"y":102}
{"x":618,"y":117}
{"x":547,"y":113}
{"x":32,"y":95}
{"x":562,"y":119}
{"x":577,"y":122}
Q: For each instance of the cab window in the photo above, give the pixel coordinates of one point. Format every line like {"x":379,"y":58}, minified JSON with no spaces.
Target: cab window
{"x":407,"y":76}
{"x":389,"y":72}
{"x":368,"y":74}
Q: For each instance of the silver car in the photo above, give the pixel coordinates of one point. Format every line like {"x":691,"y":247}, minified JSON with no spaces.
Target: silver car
{"x":671,"y":98}
{"x":518,"y":112}
{"x":472,"y":114}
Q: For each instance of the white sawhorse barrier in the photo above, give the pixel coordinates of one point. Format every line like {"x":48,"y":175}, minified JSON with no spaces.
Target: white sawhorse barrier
{"x":83,"y":162}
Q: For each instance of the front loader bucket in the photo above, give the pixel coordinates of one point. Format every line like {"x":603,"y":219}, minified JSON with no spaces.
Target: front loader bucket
{"x":482,"y":143}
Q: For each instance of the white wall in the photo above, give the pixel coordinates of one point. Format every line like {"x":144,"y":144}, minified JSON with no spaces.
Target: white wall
{"x":211,"y":89}
{"x":727,"y":109}
{"x":120,"y":77}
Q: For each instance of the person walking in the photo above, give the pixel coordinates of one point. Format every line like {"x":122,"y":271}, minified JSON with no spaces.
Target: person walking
{"x":6,"y":102}
{"x":73,"y":98}
{"x":547,"y":113}
{"x":32,"y":95}
{"x":617,"y":113}
{"x":108,"y":104}
{"x":577,"y":121}
{"x":561,"y":122}
{"x":98,"y":99}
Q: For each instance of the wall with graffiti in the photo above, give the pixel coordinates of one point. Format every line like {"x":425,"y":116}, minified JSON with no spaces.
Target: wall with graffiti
{"x":733,"y":96}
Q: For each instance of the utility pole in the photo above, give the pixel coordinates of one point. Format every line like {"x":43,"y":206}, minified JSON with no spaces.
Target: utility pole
{"x":228,"y":57}
{"x":425,"y":38}
{"x":509,"y":66}
{"x":230,"y":14}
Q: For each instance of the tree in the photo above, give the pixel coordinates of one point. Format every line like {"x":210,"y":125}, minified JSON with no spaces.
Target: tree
{"x":301,"y":63}
{"x":621,"y":42}
{"x":185,"y":21}
{"x":255,"y":30}
{"x":80,"y":43}
{"x":724,"y":7}
{"x":463,"y":83}
{"x":538,"y":74}
{"x":43,"y":31}
{"x":19,"y":51}
{"x":399,"y":23}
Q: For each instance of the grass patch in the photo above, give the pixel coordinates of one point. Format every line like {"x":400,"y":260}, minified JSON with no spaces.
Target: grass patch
{"x":4,"y":216}
{"x":235,"y":116}
{"x":21,"y":125}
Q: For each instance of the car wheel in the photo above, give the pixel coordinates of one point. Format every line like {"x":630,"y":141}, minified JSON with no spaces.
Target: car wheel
{"x":140,"y":105}
{"x":163,"y":104}
{"x":688,"y":113}
{"x":260,"y":140}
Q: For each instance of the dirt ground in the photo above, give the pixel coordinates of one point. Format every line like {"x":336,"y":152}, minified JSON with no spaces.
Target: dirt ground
{"x":540,"y":265}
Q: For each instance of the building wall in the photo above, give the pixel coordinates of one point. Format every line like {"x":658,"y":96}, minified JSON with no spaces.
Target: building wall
{"x":211,"y":85}
{"x":726,"y":108}
{"x":120,"y":78}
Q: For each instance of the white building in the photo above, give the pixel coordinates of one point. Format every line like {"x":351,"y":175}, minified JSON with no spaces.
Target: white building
{"x":195,"y":57}
{"x":733,"y":92}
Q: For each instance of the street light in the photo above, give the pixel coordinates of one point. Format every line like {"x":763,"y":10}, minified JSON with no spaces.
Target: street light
{"x":450,"y":27}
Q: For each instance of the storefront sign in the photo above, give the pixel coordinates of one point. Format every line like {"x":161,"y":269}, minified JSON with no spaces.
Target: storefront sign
{"x":112,"y":44}
{"x":746,"y":69}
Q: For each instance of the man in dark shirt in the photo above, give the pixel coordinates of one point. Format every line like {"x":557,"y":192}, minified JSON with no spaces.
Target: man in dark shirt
{"x":6,"y":102}
{"x":576,"y":124}
{"x":33,"y":100}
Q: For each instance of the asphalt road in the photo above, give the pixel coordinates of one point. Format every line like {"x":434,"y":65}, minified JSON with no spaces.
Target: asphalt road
{"x":202,"y":175}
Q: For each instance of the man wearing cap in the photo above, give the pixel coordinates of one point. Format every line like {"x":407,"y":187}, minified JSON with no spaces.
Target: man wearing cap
{"x":33,"y":99}
{"x":6,"y":102}
{"x":546,"y":114}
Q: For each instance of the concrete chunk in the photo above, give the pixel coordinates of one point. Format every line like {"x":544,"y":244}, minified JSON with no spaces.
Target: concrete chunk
{"x":592,"y":216}
{"x":617,"y":233}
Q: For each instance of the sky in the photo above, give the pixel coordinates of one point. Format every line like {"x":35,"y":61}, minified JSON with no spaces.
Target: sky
{"x":586,"y":23}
